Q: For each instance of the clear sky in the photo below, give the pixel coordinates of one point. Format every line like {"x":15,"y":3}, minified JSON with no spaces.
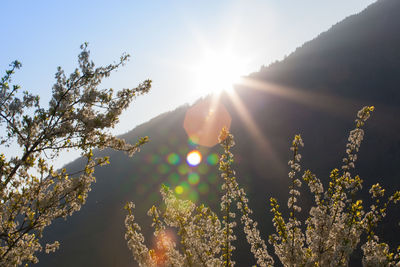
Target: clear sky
{"x":174,"y":43}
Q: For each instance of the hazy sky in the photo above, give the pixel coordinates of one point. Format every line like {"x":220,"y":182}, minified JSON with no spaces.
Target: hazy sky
{"x":168,"y":41}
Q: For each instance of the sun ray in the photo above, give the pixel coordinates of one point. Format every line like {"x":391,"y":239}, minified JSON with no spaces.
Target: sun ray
{"x":337,"y":106}
{"x":334,"y":105}
{"x":258,"y":136}
{"x":218,"y":71}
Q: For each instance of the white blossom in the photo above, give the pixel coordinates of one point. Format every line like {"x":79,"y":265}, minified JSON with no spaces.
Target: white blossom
{"x":333,"y":230}
{"x":32,"y":193}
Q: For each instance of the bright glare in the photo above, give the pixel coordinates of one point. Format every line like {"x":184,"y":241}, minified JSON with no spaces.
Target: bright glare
{"x":218,"y":71}
{"x":193,"y":158}
{"x":179,"y":189}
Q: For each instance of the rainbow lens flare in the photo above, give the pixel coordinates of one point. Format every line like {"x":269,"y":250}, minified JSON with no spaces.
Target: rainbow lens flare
{"x":179,"y":189}
{"x":193,"y":196}
{"x":173,"y":178}
{"x":204,"y":121}
{"x":212,"y":159}
{"x":193,"y":158}
{"x":183,"y":169}
{"x":193,"y":178}
{"x":203,"y":188}
{"x":173,"y":159}
{"x":203,"y":169}
{"x":193,"y":140}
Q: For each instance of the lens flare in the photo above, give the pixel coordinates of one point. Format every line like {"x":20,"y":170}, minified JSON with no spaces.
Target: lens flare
{"x":203,"y":188}
{"x":183,"y":169}
{"x":160,"y":254}
{"x":193,"y":196}
{"x":183,"y":150}
{"x":193,"y":140}
{"x":203,"y":169}
{"x":179,"y":189}
{"x":173,"y":159}
{"x":193,"y":178}
{"x":212,"y":178}
{"x":173,"y":178}
{"x":212,"y":159}
{"x":193,"y":158}
{"x":204,"y":121}
{"x":185,"y":186}
{"x":163,"y":168}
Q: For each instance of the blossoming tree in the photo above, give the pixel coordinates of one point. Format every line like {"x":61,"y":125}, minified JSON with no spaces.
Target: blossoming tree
{"x":32,"y":192}
{"x":333,"y":230}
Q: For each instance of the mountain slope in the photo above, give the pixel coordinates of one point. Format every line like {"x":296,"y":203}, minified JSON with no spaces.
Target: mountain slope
{"x":315,"y":91}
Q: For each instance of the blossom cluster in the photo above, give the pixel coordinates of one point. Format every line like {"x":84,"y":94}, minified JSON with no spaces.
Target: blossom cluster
{"x":289,"y":239}
{"x":333,"y":230}
{"x":234,"y":193}
{"x":79,"y":115}
{"x":199,"y":230}
{"x":338,"y":220}
{"x":205,"y":240}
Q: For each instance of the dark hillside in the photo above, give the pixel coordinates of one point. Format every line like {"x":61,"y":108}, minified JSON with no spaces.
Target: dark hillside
{"x":316,"y":91}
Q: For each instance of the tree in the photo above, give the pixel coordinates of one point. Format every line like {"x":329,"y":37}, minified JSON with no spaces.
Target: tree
{"x":79,"y":115}
{"x":333,"y":230}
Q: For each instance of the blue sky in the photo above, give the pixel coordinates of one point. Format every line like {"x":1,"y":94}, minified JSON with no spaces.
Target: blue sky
{"x":166,"y":39}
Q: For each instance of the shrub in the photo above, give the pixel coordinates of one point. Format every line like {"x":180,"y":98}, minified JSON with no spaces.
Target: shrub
{"x":79,"y":115}
{"x":333,"y":230}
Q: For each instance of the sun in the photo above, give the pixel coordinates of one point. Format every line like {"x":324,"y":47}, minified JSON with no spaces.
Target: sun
{"x":218,"y":71}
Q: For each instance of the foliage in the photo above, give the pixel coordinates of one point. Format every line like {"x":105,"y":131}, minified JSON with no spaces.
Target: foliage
{"x":331,"y":233}
{"x":78,"y":116}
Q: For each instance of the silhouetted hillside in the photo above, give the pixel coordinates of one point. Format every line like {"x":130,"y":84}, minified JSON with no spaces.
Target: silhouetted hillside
{"x":316,"y":91}
{"x":357,"y":58}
